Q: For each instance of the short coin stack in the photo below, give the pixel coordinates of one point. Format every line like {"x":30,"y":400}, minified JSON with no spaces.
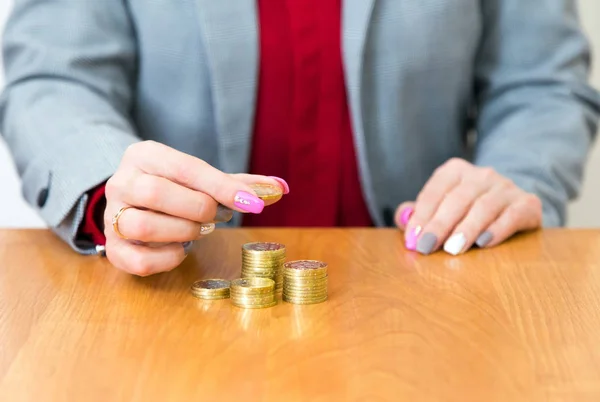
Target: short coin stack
{"x":264,"y":260}
{"x":253,"y":293}
{"x":305,"y":282}
{"x":211,"y":289}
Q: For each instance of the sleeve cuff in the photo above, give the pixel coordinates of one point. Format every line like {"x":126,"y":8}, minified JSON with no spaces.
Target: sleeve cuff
{"x":92,"y":225}
{"x":66,"y":174}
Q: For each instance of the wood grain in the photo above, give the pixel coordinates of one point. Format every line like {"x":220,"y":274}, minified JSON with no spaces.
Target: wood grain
{"x":520,"y":322}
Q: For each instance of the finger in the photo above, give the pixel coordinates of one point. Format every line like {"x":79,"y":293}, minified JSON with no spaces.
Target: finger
{"x":444,"y":179}
{"x":403,"y":214}
{"x":141,"y":260}
{"x":160,"y":194}
{"x":258,"y":179}
{"x":484,"y":211}
{"x":149,"y":226}
{"x":451,"y":211}
{"x":225,"y":214}
{"x":160,"y":160}
{"x":525,"y":214}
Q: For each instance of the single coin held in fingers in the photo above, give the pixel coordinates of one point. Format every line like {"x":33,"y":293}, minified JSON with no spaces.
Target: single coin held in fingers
{"x":224,"y":214}
{"x":268,"y":193}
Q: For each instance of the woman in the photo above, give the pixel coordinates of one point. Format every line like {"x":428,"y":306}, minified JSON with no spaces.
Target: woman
{"x":366,"y":109}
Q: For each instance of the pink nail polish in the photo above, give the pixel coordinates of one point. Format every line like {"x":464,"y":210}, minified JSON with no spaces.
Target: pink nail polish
{"x":405,"y":216}
{"x":286,"y":188}
{"x":248,"y":203}
{"x":411,"y":239}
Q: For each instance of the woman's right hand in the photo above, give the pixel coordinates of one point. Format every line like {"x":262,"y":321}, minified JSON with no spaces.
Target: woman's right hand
{"x":169,"y":198}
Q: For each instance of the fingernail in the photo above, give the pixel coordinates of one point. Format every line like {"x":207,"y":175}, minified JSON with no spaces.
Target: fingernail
{"x":455,"y":244}
{"x":405,"y":215}
{"x":206,"y":229}
{"x":248,"y":203}
{"x":224,"y":214}
{"x":187,"y":246}
{"x":411,"y":239}
{"x":484,"y":239}
{"x":286,"y":188}
{"x":426,"y":243}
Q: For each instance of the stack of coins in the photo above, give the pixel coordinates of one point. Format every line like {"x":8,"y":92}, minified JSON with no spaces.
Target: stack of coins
{"x":211,"y":289}
{"x":305,"y":282}
{"x":253,"y":293}
{"x":264,"y":260}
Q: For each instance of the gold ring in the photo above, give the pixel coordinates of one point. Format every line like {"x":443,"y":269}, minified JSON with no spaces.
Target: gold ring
{"x":115,"y":222}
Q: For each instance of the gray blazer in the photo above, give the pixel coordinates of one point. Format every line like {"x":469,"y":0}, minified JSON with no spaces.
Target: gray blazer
{"x":499,"y":82}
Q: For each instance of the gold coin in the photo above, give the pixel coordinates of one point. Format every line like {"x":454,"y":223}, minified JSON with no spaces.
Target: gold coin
{"x":264,"y":247}
{"x":270,"y":194}
{"x":260,"y":249}
{"x":263,"y":256}
{"x":245,"y":293}
{"x":257,"y":306}
{"x":305,"y":269}
{"x":305,"y":264}
{"x":294,"y":273}
{"x":253,"y":285}
{"x":253,"y":300}
{"x":301,"y":294}
{"x":304,"y":285}
{"x":300,"y":291}
{"x":255,"y":275}
{"x":210,"y":297}
{"x":262,"y":265}
{"x":303,"y":298}
{"x":252,"y":292}
{"x":211,"y":289}
{"x":301,"y":301}
{"x":247,"y":267}
{"x":264,"y":262}
{"x":300,"y":286}
{"x":305,"y":290}
{"x":295,"y":281}
{"x":210,"y":284}
{"x":271,"y":270}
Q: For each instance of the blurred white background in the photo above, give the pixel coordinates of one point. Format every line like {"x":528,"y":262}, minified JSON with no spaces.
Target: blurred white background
{"x":583,"y":213}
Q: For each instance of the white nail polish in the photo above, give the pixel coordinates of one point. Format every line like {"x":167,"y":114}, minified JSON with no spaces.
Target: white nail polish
{"x":455,"y":244}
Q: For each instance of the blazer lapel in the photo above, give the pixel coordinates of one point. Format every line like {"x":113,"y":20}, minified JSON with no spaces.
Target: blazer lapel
{"x":356,"y":17}
{"x":231,"y":39}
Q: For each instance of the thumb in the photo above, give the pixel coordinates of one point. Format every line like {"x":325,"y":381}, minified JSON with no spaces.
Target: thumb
{"x":403,"y":214}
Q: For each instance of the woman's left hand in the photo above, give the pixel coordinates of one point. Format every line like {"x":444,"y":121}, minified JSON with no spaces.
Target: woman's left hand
{"x":462,"y":205}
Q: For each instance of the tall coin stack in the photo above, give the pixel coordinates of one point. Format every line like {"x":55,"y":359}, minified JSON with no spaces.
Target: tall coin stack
{"x":253,"y":293}
{"x":305,"y":282}
{"x":264,"y":260}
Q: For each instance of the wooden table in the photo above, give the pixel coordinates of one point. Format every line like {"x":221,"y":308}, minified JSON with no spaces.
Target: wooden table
{"x":517,"y":323}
